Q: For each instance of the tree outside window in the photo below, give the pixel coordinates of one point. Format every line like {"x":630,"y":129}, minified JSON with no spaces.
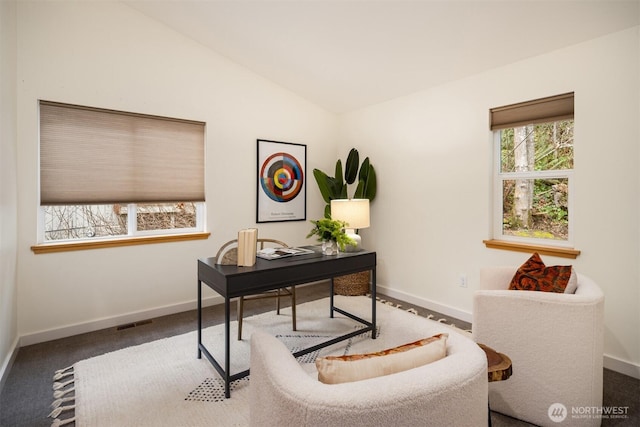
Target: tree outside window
{"x":535,"y":168}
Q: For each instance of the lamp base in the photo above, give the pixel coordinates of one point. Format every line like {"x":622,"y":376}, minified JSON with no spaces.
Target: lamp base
{"x":356,"y":237}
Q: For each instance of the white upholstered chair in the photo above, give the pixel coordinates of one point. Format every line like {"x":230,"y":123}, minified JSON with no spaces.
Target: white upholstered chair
{"x":554,"y":340}
{"x":228,"y":255}
{"x":449,"y":392}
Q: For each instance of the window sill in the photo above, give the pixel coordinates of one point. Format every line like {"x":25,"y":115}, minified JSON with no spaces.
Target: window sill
{"x":524,"y":247}
{"x":46,"y":248}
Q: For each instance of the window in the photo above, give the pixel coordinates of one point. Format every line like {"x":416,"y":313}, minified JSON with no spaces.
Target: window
{"x":533,"y":171}
{"x":84,"y":222}
{"x":108,"y":174}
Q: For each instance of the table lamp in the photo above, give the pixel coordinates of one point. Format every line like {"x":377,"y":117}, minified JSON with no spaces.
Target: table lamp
{"x":355,"y":212}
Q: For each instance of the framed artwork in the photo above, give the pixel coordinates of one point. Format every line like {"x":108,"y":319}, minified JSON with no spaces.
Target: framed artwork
{"x":282,"y":181}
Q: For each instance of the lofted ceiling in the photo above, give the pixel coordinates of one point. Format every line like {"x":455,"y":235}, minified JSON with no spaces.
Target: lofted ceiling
{"x":347,"y":54}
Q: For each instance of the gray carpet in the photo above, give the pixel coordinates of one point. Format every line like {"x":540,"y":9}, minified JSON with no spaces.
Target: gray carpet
{"x":27,"y":393}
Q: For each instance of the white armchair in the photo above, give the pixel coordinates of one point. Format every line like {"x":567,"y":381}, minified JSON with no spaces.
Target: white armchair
{"x":554,"y":340}
{"x":449,"y":392}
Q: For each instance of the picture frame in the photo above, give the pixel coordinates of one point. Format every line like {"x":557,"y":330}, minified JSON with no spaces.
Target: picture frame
{"x":281,"y":181}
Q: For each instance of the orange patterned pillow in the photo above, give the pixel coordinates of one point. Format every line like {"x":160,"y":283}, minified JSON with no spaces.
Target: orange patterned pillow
{"x":356,"y":367}
{"x":533,"y":275}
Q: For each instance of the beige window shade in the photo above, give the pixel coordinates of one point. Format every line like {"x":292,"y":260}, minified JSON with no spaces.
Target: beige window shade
{"x":95,"y":156}
{"x":542,"y":110}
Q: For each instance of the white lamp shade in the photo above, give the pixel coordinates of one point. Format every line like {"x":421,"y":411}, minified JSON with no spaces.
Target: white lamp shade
{"x":355,"y":212}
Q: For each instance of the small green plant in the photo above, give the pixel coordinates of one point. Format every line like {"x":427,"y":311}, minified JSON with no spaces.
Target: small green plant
{"x":328,"y":229}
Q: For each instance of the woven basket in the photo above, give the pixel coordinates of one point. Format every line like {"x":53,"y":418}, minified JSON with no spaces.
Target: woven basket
{"x":352,"y":284}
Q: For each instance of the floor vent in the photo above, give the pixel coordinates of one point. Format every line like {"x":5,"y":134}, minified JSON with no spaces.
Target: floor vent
{"x":133,"y":325}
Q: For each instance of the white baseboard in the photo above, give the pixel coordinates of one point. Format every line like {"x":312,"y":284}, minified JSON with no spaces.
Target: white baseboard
{"x":111,"y":322}
{"x":8,"y":363}
{"x":610,"y":362}
{"x":622,"y":366}
{"x":428,"y":304}
{"x":123,"y":319}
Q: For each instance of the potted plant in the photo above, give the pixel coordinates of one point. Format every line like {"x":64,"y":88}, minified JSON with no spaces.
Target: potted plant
{"x":336,"y":187}
{"x":331,"y":233}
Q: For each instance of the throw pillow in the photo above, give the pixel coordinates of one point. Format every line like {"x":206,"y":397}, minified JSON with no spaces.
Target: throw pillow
{"x":533,"y":275}
{"x":356,"y":367}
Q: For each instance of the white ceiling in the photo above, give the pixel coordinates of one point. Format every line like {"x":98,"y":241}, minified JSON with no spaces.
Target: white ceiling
{"x":347,"y":54}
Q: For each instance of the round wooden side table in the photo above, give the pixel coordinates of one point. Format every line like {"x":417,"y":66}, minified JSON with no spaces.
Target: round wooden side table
{"x":498,"y":367}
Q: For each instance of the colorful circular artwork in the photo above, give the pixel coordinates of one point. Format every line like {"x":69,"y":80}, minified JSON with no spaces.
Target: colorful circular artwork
{"x":281,"y":177}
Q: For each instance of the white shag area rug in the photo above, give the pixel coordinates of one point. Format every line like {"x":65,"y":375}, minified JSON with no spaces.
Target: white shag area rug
{"x":163,"y":383}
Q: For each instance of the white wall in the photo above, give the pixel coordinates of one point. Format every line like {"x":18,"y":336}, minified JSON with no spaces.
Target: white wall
{"x":105,"y":54}
{"x":8,"y":204}
{"x":432,"y":152}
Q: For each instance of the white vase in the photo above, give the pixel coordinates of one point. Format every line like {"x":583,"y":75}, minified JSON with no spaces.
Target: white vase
{"x":330,"y":247}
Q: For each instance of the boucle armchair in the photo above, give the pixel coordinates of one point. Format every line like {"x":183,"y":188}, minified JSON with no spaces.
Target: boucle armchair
{"x":449,"y":392}
{"x":554,"y":340}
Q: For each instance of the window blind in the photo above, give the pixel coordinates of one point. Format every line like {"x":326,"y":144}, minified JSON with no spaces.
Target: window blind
{"x":97,"y":156}
{"x":553,"y":108}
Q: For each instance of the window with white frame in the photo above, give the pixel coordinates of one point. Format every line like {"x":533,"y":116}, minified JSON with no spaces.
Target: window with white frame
{"x":533,"y":171}
{"x":108,"y":174}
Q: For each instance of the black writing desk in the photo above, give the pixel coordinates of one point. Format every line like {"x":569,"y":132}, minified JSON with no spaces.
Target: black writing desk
{"x":231,"y":281}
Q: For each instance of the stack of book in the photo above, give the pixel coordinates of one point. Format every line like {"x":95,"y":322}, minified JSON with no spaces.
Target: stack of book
{"x":247,"y":243}
{"x":275,"y":253}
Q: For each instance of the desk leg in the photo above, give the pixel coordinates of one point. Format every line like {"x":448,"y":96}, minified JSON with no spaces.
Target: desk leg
{"x":331,"y":300}
{"x":373,"y":303}
{"x":199,"y":318}
{"x":227,"y":348}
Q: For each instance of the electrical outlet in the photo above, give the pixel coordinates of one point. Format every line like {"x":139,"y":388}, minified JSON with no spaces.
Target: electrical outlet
{"x":462,"y":280}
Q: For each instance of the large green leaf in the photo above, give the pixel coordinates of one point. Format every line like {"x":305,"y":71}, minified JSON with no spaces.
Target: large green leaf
{"x":351,"y":171}
{"x":359,"y":193}
{"x":325,"y":185}
{"x":371,"y":185}
{"x":364,"y":170}
{"x":327,"y":211}
{"x":339,"y":185}
{"x":338,"y":174}
{"x":338,"y":189}
{"x":367,"y":187}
